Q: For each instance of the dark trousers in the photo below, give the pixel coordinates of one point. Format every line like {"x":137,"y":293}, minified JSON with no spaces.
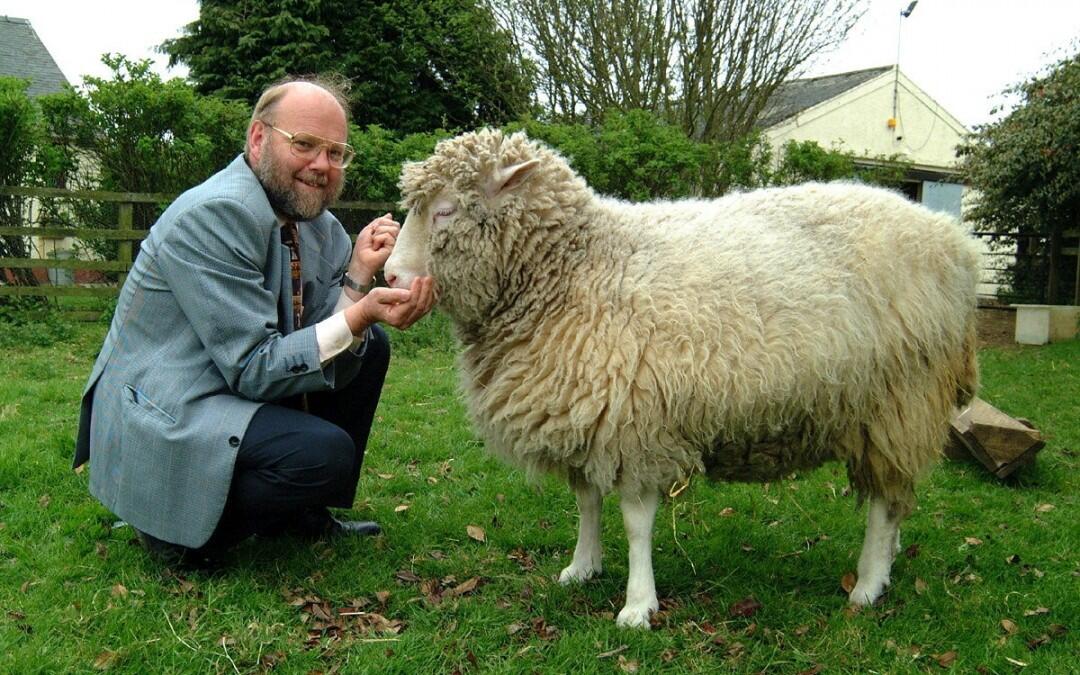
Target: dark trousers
{"x":292,"y":462}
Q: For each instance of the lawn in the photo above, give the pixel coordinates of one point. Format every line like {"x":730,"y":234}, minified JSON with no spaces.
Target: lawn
{"x":749,"y":576}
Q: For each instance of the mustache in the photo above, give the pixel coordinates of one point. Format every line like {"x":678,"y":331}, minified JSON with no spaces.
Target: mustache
{"x":312,"y":178}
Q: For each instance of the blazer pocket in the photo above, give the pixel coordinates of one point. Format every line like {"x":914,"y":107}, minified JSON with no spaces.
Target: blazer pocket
{"x":139,"y":402}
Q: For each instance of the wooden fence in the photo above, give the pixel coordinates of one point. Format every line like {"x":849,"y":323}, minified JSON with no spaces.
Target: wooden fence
{"x":124,"y":233}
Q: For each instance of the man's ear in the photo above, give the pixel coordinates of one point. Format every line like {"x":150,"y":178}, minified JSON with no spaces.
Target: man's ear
{"x":508,"y":178}
{"x":255,"y":134}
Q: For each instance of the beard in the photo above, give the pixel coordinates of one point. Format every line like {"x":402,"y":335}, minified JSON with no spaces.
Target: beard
{"x":285,"y":198}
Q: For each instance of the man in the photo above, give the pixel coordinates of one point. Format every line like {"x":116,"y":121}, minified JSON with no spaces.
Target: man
{"x":232,"y":397}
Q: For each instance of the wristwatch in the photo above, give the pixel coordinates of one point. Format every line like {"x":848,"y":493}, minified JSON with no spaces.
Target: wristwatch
{"x":349,"y":282}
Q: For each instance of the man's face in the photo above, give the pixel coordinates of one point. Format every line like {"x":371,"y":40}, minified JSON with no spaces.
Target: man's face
{"x":300,"y":189}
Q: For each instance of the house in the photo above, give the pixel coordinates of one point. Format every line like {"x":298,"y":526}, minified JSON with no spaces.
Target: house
{"x":23,"y":55}
{"x":874,"y":114}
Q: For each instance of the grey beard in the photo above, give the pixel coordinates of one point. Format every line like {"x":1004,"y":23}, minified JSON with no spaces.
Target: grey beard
{"x":277,"y":184}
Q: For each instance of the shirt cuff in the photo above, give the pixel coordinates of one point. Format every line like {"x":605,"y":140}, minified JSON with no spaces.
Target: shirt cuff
{"x":333,"y":336}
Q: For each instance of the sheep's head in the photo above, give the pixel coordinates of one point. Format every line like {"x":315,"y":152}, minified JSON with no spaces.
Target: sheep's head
{"x":465,"y":205}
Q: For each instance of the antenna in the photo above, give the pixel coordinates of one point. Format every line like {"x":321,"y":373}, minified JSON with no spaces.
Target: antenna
{"x":904,"y":13}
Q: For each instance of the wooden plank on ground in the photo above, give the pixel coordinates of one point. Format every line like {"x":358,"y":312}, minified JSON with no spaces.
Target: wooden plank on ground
{"x":1001,"y":443}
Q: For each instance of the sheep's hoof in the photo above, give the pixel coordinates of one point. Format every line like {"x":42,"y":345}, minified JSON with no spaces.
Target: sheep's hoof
{"x":867,"y":593}
{"x":576,"y":574}
{"x":635,"y":616}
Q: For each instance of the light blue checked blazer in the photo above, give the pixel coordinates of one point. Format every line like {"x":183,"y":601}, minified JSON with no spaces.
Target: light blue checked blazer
{"x":201,"y":337}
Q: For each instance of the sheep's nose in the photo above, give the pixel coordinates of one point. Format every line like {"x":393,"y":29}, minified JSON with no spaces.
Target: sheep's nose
{"x":391,"y":280}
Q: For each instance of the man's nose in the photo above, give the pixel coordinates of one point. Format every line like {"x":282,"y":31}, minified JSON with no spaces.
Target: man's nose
{"x":321,"y":160}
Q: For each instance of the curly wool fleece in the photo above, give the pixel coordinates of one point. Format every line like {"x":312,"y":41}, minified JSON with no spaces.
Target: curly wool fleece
{"x":744,"y":337}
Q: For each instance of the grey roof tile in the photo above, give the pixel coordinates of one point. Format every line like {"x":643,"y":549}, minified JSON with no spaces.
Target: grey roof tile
{"x":22,"y":54}
{"x":795,"y":96}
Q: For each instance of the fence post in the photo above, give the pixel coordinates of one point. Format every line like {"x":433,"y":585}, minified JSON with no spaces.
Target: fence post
{"x":127,"y":210}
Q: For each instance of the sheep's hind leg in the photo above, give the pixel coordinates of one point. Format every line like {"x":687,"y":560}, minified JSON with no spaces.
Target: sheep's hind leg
{"x":639,"y":512}
{"x":880,"y":545}
{"x":586,"y":563}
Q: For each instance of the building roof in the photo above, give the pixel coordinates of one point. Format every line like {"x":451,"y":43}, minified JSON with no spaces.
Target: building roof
{"x":22,"y":54}
{"x":795,"y":96}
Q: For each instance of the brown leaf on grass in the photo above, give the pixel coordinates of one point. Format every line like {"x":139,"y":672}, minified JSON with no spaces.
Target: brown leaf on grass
{"x":102,"y":550}
{"x":727,"y":512}
{"x":1044,"y":508}
{"x":523,"y":559}
{"x":947,"y":659}
{"x":106,"y":660}
{"x":920,"y":586}
{"x":385,"y":476}
{"x":668,"y":655}
{"x":912,"y":551}
{"x":973,"y":541}
{"x":848,"y":581}
{"x":43,"y":502}
{"x":476,"y":532}
{"x":119,"y":591}
{"x":802,"y":630}
{"x":406,"y":576}
{"x":515,"y":628}
{"x":1013,"y":559}
{"x":401,"y":508}
{"x":1037,"y":611}
{"x":79,"y":469}
{"x":382,"y":596}
{"x":628,"y":666}
{"x":464,"y":588}
{"x":746,"y":608}
{"x":432,"y":591}
{"x":1009,"y":626}
{"x":813,"y":671}
{"x":543,"y":630}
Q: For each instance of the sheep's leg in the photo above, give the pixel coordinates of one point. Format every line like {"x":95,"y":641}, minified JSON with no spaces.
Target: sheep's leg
{"x":639,"y":511}
{"x":586,"y":562}
{"x":880,"y":546}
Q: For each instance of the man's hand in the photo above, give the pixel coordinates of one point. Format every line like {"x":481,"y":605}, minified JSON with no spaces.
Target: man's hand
{"x":395,"y":307}
{"x":373,"y":247}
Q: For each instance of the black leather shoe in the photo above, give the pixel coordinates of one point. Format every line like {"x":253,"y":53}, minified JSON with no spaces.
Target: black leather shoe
{"x":175,"y":555}
{"x":352,"y":528}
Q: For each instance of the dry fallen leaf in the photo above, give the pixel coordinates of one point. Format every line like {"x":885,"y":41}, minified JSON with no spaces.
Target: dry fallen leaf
{"x":1009,"y":626}
{"x":848,"y":582}
{"x":920,"y":586}
{"x":1037,"y":611}
{"x":1043,"y":508}
{"x":382,"y":596}
{"x":119,"y":591}
{"x":945,"y":660}
{"x":972,"y":541}
{"x":401,"y":507}
{"x":726,"y":512}
{"x":1015,"y":662}
{"x":746,"y":608}
{"x":476,"y":532}
{"x":105,"y":660}
{"x":44,"y":501}
{"x":628,"y":666}
{"x":385,"y":476}
{"x":406,"y":576}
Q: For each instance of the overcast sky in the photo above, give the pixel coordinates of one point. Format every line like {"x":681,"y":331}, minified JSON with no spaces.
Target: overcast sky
{"x":962,"y":53}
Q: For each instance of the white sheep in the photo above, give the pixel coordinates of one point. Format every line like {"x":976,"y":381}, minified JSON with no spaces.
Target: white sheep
{"x":629,"y":346}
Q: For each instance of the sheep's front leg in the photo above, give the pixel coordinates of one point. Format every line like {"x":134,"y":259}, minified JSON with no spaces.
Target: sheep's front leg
{"x":880,"y":546}
{"x":639,"y":511}
{"x":586,"y":562}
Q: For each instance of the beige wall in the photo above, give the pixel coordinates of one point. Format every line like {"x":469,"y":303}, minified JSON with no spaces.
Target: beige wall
{"x":856,"y":121}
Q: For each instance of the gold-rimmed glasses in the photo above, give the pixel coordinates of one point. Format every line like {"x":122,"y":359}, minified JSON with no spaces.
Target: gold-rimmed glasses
{"x":308,"y":146}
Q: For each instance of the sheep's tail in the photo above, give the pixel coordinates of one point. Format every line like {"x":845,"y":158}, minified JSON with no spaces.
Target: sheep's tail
{"x":967,"y":382}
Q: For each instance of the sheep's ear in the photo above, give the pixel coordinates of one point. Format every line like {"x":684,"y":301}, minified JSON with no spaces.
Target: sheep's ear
{"x":508,"y":178}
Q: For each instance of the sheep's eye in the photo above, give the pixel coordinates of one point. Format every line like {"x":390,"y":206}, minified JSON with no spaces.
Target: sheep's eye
{"x":445,"y":212}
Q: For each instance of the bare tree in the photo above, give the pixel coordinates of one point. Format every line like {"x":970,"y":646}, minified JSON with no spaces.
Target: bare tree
{"x":707,"y":65}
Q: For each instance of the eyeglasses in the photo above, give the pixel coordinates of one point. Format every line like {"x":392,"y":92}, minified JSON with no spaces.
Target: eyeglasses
{"x":308,"y":146}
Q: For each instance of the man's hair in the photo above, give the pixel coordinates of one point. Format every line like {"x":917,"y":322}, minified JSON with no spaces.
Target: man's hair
{"x":335,"y":85}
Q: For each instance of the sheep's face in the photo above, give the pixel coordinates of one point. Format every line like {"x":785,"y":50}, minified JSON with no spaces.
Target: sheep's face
{"x":460,"y":226}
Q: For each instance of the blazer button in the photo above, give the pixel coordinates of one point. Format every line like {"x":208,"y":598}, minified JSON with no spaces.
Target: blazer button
{"x":234,"y":441}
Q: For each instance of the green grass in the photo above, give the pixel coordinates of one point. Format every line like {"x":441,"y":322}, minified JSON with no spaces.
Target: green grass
{"x":80,"y":596}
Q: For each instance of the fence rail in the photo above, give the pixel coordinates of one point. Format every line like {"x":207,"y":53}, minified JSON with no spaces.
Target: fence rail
{"x":124,"y":234}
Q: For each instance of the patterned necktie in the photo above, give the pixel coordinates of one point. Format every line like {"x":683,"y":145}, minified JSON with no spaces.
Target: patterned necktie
{"x":291,"y":238}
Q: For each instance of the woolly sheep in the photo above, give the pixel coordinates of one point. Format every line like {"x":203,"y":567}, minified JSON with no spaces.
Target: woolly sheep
{"x":629,"y":346}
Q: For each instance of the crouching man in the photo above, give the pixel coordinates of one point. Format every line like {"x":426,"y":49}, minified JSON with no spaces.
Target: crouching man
{"x":238,"y":381}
